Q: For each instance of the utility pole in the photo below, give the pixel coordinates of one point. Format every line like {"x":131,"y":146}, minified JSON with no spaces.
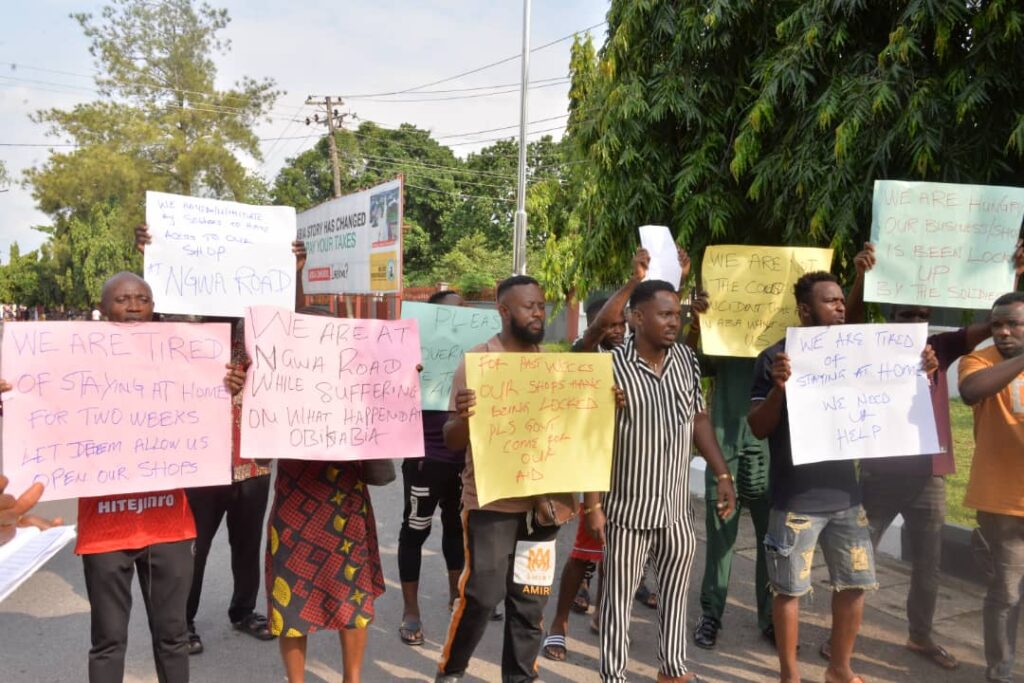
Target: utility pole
{"x":333,"y":120}
{"x":519,"y":241}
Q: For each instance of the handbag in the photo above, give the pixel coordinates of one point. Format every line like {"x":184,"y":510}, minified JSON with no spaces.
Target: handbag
{"x":378,"y":472}
{"x":554,"y":509}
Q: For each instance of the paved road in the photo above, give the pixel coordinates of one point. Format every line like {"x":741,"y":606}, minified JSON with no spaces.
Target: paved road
{"x":45,"y":627}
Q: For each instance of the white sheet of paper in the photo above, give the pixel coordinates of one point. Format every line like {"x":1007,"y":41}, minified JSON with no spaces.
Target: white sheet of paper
{"x":664,"y":254}
{"x":858,"y":391}
{"x":30,"y":549}
{"x":211,"y":257}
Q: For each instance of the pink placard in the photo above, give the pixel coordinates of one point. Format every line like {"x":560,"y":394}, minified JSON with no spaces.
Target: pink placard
{"x":323,"y":388}
{"x":107,"y":408}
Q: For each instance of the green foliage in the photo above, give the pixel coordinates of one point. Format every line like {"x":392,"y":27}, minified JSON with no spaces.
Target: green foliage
{"x":473,"y":264}
{"x":766,"y":123}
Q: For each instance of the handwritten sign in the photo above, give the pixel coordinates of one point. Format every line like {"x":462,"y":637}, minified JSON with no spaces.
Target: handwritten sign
{"x":940,"y":244}
{"x":751,"y":295}
{"x":858,"y":391}
{"x":109,"y":408}
{"x":324,"y":388}
{"x":354,"y":243}
{"x":210,"y":257}
{"x":446,"y":333}
{"x":664,"y":264}
{"x":543,"y":423}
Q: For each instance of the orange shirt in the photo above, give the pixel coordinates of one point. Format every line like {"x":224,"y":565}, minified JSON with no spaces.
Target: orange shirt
{"x":997,"y":471}
{"x":133,"y":520}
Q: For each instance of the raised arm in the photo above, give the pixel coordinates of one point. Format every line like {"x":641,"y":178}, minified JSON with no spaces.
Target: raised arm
{"x":299,"y":249}
{"x":596,"y":328}
{"x":862,"y":262}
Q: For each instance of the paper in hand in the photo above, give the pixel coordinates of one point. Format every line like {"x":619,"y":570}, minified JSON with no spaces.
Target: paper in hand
{"x":27,"y":552}
{"x":664,"y":265}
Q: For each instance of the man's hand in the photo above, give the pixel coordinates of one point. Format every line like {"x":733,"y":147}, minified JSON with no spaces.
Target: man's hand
{"x":234,"y":380}
{"x":142,"y":237}
{"x":465,"y":401}
{"x":684,"y":263}
{"x":781,"y":370}
{"x":726,"y":504}
{"x":5,"y":386}
{"x":14,"y":511}
{"x":593,"y":523}
{"x":299,"y":249}
{"x":929,"y":361}
{"x":1018,"y":258}
{"x":700,"y":304}
{"x":865,"y":259}
{"x":641,"y":262}
{"x":620,"y":397}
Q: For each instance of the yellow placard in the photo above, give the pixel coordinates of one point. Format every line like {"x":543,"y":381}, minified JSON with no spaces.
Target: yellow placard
{"x":751,"y":295}
{"x":384,"y":271}
{"x":543,"y":423}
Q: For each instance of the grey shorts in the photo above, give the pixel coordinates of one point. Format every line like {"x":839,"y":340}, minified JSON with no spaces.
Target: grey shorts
{"x":845,"y":542}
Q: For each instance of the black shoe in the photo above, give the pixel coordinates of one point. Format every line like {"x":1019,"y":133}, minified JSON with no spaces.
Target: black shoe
{"x":769,"y":635}
{"x":195,"y":645}
{"x":496,"y":615}
{"x":447,"y":678}
{"x":706,"y":633}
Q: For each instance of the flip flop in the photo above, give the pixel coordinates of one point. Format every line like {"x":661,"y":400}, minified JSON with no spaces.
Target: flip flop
{"x":554,"y":647}
{"x":936,"y":654}
{"x":581,"y":603}
{"x":411,"y":632}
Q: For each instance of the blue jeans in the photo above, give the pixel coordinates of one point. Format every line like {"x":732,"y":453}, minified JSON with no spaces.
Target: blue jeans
{"x":845,"y":542}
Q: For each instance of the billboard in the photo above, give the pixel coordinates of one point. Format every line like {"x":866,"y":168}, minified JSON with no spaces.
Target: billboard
{"x":354,"y":243}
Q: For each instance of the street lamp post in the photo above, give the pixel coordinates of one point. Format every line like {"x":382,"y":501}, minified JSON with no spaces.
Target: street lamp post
{"x":519,"y":238}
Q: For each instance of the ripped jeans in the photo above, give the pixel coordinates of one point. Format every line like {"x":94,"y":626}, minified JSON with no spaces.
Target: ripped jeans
{"x":845,"y":542}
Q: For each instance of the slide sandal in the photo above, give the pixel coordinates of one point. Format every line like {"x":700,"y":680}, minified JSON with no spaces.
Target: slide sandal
{"x":411,"y":632}
{"x":554,"y":647}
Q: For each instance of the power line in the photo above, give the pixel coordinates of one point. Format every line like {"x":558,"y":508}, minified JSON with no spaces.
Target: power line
{"x":463,"y":97}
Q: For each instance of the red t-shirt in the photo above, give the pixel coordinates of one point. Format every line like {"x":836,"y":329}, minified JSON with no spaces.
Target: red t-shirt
{"x":133,"y":520}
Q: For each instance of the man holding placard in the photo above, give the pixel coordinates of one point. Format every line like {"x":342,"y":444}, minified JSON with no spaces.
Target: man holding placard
{"x":818,"y":502}
{"x":992,"y":382}
{"x":646,"y":510}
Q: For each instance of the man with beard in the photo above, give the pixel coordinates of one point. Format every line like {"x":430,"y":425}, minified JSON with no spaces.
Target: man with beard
{"x":992,"y":382}
{"x":495,"y":533}
{"x":819,"y":502}
{"x":646,"y":510}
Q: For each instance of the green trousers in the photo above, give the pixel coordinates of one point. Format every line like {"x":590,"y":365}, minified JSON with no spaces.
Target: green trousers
{"x":721,"y":534}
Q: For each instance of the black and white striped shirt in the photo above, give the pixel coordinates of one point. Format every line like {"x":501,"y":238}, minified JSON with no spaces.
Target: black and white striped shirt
{"x":651,"y":457}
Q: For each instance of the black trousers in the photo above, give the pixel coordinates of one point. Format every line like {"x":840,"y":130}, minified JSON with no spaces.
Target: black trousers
{"x":430,"y":484}
{"x":244,"y":503}
{"x":504,"y":561}
{"x":165,"y":574}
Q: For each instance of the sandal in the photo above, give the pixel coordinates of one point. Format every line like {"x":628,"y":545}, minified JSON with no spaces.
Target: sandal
{"x":647,"y":597}
{"x":581,"y":603}
{"x":554,"y":647}
{"x":254,"y":624}
{"x":936,"y":654}
{"x":411,"y":632}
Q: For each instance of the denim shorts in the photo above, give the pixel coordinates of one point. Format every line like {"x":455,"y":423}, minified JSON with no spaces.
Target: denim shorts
{"x":845,"y":542}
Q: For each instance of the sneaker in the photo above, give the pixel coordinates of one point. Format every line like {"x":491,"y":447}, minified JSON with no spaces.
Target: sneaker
{"x":496,"y":615}
{"x":195,"y":645}
{"x":705,"y":635}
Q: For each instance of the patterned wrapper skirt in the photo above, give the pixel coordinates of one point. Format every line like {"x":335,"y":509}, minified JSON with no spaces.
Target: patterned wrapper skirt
{"x":323,"y":564}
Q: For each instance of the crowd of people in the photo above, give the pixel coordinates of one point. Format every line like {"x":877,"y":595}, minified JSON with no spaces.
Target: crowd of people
{"x":322,"y":566}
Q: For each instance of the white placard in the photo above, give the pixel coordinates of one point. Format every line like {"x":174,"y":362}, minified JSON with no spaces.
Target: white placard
{"x":664,"y":254}
{"x":27,"y":552}
{"x":354,"y":243}
{"x":211,"y":257}
{"x":858,"y":391}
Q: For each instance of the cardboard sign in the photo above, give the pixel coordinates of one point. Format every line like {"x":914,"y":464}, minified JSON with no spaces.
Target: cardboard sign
{"x":210,"y":257}
{"x":446,"y":333}
{"x":322,"y":388}
{"x":751,"y":295}
{"x":858,"y":391}
{"x":940,"y":244}
{"x":354,"y":243}
{"x":108,"y":408}
{"x":543,"y":423}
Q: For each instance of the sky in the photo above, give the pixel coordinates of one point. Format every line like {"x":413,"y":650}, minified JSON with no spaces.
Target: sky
{"x":316,"y":47}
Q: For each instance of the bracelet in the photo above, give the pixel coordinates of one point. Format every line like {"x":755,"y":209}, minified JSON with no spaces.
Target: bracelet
{"x":595,"y":506}
{"x":723,"y":477}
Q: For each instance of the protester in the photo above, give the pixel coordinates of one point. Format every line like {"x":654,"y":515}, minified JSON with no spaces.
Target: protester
{"x":646,"y":510}
{"x":120,"y":534}
{"x":992,"y":382}
{"x":811,"y":504}
{"x":428,"y":483}
{"x":14,"y":512}
{"x":747,"y":459}
{"x":496,"y":533}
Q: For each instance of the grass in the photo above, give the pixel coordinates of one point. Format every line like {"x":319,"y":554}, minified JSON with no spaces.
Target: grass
{"x":962,"y":421}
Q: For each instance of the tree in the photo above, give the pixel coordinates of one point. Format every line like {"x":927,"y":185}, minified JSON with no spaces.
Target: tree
{"x":4,"y":178}
{"x":767,"y":122}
